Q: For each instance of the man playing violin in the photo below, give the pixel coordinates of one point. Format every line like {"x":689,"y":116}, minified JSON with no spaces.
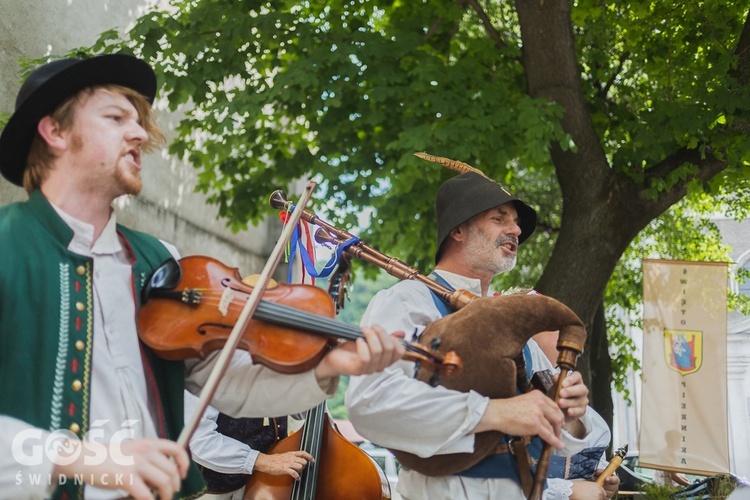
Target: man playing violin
{"x":71,"y":362}
{"x":480,"y":226}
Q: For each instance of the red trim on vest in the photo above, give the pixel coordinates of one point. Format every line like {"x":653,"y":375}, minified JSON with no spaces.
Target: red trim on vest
{"x":128,"y":249}
{"x":153,"y":389}
{"x":72,"y":409}
{"x":74,"y":365}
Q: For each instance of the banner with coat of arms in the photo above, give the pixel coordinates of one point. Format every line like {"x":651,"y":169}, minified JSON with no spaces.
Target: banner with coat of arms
{"x":684,"y":418}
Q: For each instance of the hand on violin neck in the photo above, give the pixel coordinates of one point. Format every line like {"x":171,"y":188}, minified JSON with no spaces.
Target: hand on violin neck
{"x":376,"y":351}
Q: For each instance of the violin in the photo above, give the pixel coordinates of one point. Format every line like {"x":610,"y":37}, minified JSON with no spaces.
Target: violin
{"x":190,"y":307}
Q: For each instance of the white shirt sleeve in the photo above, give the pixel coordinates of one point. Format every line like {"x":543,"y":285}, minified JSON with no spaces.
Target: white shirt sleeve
{"x":25,"y":467}
{"x":214,"y":450}
{"x":250,"y":390}
{"x":558,"y":489}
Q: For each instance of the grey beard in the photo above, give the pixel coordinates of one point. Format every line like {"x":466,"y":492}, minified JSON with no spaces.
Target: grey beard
{"x":506,"y":265}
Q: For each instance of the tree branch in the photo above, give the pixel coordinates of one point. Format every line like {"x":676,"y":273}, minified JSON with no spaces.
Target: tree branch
{"x":742,"y":51}
{"x":604,"y":89}
{"x":433,"y":28}
{"x":708,"y":167}
{"x":487,"y":23}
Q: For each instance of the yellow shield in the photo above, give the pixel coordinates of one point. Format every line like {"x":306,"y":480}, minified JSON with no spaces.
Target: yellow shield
{"x":683,"y":350}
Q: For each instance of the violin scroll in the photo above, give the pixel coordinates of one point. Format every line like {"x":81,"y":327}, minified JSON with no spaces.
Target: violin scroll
{"x":447,"y":365}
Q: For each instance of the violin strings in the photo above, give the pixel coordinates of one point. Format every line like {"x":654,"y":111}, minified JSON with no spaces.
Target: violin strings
{"x":289,"y":316}
{"x":292,"y":317}
{"x":296,"y":318}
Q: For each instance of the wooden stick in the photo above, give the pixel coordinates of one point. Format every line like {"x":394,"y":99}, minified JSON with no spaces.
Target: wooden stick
{"x":612,"y":466}
{"x":222,"y":362}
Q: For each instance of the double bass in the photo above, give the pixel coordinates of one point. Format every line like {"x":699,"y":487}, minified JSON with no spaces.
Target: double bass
{"x":341,"y":469}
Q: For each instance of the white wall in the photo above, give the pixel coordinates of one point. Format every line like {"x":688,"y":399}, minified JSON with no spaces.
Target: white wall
{"x":167,"y":207}
{"x":737,"y":235}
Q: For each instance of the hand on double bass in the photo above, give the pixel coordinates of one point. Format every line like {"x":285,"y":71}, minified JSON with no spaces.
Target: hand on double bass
{"x":363,"y":356}
{"x":290,"y":463}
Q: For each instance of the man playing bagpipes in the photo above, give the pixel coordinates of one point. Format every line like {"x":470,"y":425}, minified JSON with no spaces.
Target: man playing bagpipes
{"x":480,"y":226}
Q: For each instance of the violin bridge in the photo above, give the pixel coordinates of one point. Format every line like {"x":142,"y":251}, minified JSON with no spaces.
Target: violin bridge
{"x":226,"y":300}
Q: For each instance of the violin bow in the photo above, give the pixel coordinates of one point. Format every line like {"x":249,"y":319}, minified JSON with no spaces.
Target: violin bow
{"x":225,"y":355}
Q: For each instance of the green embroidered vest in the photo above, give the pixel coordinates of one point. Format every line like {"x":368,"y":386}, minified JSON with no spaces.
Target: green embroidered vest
{"x":46,"y":331}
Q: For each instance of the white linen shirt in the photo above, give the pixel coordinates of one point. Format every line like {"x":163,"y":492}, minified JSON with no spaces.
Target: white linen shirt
{"x":214,"y":450}
{"x":119,"y":398}
{"x":395,"y":410}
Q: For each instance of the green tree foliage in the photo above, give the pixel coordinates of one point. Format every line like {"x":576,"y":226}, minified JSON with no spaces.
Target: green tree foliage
{"x":359,"y":295}
{"x":603,"y":114}
{"x":335,"y":404}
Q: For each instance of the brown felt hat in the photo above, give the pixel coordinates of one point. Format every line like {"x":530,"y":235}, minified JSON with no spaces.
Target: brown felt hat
{"x":464,"y":196}
{"x":49,"y":85}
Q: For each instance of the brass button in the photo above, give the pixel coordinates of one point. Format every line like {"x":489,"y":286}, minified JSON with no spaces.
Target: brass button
{"x":80,"y":306}
{"x":80,"y":345}
{"x":75,"y":428}
{"x":76,"y":385}
{"x":80,"y":270}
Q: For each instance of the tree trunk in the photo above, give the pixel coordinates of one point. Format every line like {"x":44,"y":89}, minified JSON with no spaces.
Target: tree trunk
{"x":600,"y":385}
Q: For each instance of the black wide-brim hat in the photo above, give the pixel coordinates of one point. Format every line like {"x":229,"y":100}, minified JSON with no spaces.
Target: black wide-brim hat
{"x":49,"y":85}
{"x":464,"y":196}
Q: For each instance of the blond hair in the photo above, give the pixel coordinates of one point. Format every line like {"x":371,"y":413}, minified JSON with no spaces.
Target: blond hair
{"x":39,"y":161}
